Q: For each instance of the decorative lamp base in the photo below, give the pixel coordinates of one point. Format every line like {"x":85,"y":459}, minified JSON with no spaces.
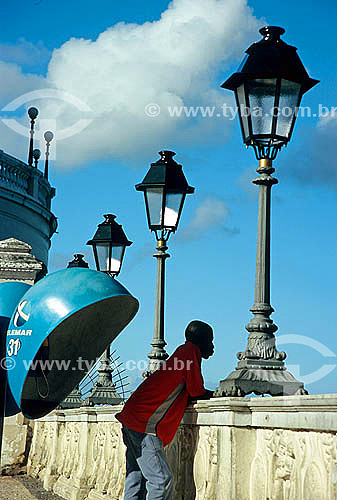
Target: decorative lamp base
{"x":154,"y":364}
{"x":106,"y":395}
{"x":260,"y":381}
{"x":74,"y":400}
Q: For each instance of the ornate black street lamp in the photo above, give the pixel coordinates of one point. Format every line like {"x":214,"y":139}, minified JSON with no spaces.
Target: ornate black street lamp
{"x":268,"y":87}
{"x":36,"y":156}
{"x":165,"y":188}
{"x":48,"y":136}
{"x":108,"y":244}
{"x":32,"y":113}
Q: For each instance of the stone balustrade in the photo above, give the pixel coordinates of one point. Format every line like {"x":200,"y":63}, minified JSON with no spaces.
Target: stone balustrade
{"x":280,"y":448}
{"x":25,"y":205}
{"x":16,"y":175}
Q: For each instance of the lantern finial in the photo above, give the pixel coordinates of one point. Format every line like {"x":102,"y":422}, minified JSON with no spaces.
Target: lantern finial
{"x":272,"y":33}
{"x":109,"y":218}
{"x":78,"y":261}
{"x":166,"y":156}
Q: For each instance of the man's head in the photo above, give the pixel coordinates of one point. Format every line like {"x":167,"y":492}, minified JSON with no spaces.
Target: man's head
{"x":201,"y":334}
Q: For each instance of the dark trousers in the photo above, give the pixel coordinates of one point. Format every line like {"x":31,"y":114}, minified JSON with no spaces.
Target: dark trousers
{"x":147,"y":470}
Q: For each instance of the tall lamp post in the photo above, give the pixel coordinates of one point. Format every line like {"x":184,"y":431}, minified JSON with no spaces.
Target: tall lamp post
{"x":268,"y":88}
{"x":32,"y":113}
{"x":108,"y":244}
{"x":165,"y":188}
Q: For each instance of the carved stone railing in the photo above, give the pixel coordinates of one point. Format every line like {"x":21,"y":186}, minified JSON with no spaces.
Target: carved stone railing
{"x":280,"y":448}
{"x":19,"y":177}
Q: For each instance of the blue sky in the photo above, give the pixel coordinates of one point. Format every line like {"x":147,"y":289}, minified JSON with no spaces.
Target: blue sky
{"x":210,"y":274}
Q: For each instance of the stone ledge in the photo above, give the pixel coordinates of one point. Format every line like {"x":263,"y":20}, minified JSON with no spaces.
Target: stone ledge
{"x":312,"y":412}
{"x":84,"y":414}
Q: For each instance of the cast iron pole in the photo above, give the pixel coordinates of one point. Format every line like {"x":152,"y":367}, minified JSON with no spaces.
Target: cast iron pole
{"x":262,"y":308}
{"x":261,"y":368}
{"x":158,"y":353}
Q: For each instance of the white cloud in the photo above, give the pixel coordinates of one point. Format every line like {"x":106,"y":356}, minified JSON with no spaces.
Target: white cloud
{"x":211,"y":213}
{"x":170,"y":62}
{"x":328,"y":118}
{"x":24,"y":52}
{"x":244,"y":181}
{"x":317,"y":150}
{"x":174,"y":61}
{"x":14,"y":84}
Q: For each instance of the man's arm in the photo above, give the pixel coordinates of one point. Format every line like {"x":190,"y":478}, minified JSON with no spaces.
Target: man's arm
{"x":208,"y":395}
{"x":194,"y":380}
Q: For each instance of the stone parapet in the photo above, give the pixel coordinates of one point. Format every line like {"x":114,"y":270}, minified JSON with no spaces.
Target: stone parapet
{"x":311,"y":412}
{"x":280,"y":448}
{"x":17,"y":176}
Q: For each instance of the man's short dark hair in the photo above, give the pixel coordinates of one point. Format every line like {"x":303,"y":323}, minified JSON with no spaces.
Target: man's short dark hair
{"x":197,"y":330}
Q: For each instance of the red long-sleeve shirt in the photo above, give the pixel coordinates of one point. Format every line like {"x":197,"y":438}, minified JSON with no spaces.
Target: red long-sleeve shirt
{"x":158,"y":404}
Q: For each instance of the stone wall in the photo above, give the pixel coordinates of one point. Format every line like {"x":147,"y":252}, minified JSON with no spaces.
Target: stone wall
{"x":18,"y":264}
{"x":16,"y":440}
{"x":279,"y":448}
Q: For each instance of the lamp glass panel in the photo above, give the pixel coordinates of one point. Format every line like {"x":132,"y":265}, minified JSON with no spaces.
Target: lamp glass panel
{"x":243,"y":110}
{"x":103,"y":256}
{"x":262,"y":101}
{"x":172,"y":209}
{"x":116,"y":258}
{"x":105,"y":264}
{"x":288,"y":101}
{"x":154,"y":203}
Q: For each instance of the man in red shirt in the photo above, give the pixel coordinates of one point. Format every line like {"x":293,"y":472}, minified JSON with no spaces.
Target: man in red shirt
{"x":152,"y":415}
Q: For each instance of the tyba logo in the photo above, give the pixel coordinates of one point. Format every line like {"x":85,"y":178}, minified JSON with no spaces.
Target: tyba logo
{"x":48,"y":123}
{"x":22,"y":313}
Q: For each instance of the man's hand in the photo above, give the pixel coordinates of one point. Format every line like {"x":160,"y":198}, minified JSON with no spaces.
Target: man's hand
{"x":208,"y":394}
